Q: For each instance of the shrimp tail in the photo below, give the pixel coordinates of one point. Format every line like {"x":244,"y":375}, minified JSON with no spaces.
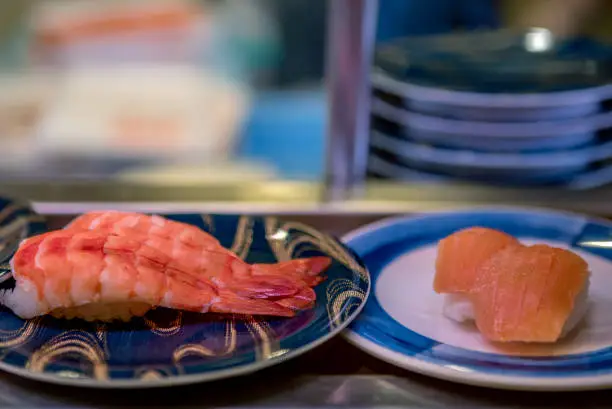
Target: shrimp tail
{"x":304,"y":299}
{"x":229,"y":303}
{"x":278,"y":289}
{"x":267,"y":287}
{"x":307,"y":270}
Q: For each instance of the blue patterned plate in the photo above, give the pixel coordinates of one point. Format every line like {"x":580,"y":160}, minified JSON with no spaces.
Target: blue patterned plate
{"x":169,"y":347}
{"x":17,"y":222}
{"x":402,"y":322}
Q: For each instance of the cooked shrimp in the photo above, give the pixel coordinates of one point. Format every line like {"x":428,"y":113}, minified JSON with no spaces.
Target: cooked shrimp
{"x":128,"y":264}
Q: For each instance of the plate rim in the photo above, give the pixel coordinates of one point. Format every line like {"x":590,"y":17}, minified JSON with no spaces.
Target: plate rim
{"x":491,"y":130}
{"x":442,"y":156}
{"x":580,"y":181}
{"x":384,"y":80}
{"x":495,"y":381}
{"x":186,"y":379}
{"x":474,"y":378}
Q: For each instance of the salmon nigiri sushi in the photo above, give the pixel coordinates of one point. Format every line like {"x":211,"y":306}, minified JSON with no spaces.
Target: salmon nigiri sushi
{"x":513,"y":292}
{"x":461,"y":253}
{"x":459,"y":257}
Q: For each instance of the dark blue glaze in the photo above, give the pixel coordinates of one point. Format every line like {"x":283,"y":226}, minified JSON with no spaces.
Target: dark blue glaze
{"x":131,"y":351}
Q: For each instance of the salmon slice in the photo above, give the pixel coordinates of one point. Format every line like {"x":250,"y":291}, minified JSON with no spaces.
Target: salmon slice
{"x":461,"y":253}
{"x":527,"y":294}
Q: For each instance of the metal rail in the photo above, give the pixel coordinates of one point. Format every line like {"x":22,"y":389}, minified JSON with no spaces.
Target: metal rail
{"x":351,"y":40}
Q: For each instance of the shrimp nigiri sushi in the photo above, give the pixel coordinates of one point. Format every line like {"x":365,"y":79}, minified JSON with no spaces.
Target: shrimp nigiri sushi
{"x":513,"y":292}
{"x":115,"y":265}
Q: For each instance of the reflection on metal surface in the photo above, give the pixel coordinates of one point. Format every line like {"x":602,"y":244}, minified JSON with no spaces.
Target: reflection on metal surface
{"x":354,"y":391}
{"x":379,"y":197}
{"x":104,"y":192}
{"x":352,"y":34}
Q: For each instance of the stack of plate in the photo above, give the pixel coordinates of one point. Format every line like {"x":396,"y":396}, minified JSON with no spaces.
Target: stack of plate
{"x":520,"y":128}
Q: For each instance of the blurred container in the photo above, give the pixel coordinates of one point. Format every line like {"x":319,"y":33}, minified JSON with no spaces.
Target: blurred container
{"x":68,"y":33}
{"x":24,"y":99}
{"x":244,"y":43}
{"x":235,"y":38}
{"x":144,"y":112}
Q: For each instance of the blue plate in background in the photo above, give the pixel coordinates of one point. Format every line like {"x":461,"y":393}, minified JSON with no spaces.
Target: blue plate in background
{"x":479,"y":143}
{"x":453,"y":160}
{"x":491,"y":136}
{"x":171,"y":347}
{"x":402,"y":322}
{"x":384,"y":166}
{"x":447,"y":103}
{"x":498,"y":61}
{"x":502,"y":115}
{"x":516,"y":130}
{"x":18,"y":221}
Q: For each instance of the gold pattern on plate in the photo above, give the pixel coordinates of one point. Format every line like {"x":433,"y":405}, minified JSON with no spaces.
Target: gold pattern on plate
{"x":276,"y":240}
{"x":101,"y":334}
{"x":13,"y":338}
{"x":208,"y":221}
{"x":69,"y":374}
{"x":172,"y":328}
{"x":79,"y":343}
{"x":149,"y":374}
{"x":10,"y":209}
{"x":264,"y":337}
{"x":243,"y":238}
{"x":307,"y":236}
{"x":200,"y":350}
{"x":341,"y":296}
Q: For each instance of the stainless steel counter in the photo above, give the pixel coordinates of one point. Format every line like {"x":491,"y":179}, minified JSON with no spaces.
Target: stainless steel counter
{"x":335,"y":374}
{"x":276,"y":388}
{"x":296,"y":197}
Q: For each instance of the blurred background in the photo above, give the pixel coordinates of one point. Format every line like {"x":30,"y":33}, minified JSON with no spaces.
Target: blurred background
{"x":472,"y":101}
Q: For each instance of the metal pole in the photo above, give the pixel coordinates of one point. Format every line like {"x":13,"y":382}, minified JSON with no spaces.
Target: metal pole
{"x":351,"y":41}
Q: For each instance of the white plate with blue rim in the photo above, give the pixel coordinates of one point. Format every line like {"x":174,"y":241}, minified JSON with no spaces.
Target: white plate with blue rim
{"x":402,"y":322}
